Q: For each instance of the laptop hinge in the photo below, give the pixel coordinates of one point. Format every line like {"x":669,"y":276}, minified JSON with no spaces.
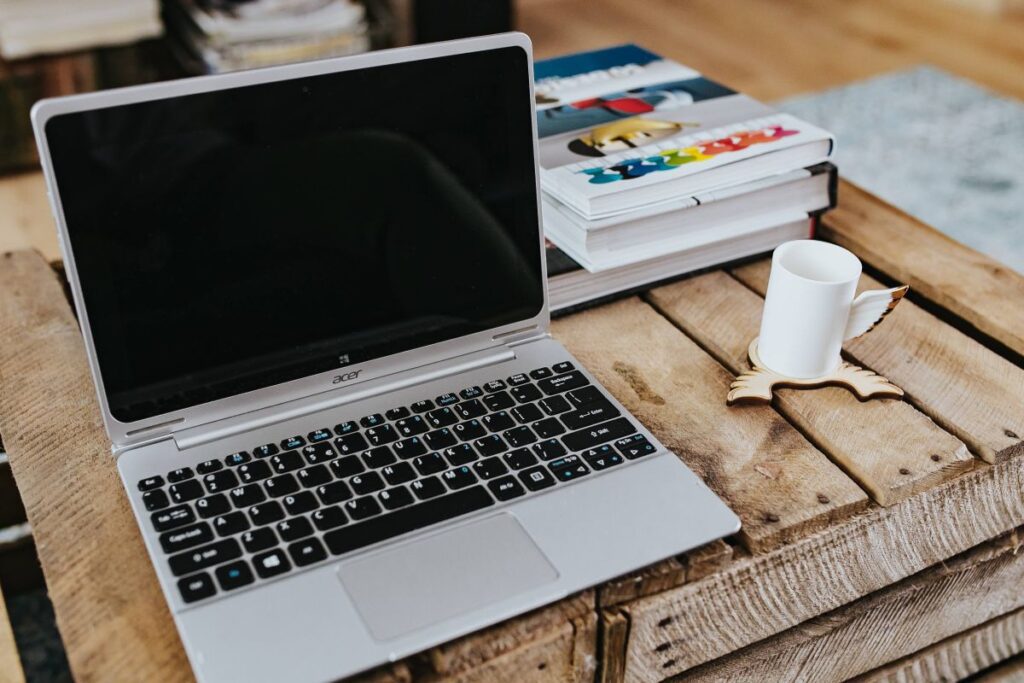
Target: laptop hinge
{"x":297,"y":408}
{"x":522,"y":335}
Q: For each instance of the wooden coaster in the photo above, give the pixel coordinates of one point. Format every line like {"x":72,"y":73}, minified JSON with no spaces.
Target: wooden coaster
{"x":756,"y":385}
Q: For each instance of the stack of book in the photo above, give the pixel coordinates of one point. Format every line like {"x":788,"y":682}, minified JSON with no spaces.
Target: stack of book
{"x":650,"y":170}
{"x":35,"y":27}
{"x":214,"y":36}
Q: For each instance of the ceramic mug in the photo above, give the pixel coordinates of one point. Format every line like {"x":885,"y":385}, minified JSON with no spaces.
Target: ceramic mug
{"x":810,"y":310}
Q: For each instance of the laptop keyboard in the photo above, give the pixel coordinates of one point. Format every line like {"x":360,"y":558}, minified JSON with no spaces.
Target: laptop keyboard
{"x":257,"y":514}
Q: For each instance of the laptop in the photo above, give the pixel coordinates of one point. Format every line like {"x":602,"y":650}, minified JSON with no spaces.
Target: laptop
{"x":313,"y":299}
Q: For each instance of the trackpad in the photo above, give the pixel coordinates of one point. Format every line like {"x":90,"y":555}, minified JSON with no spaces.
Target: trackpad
{"x":402,"y":590}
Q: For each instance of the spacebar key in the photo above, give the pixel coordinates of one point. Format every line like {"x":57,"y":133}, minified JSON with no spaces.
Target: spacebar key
{"x":598,"y":434}
{"x":347,"y":539}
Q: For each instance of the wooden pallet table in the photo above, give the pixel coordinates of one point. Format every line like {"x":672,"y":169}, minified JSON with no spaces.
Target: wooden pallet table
{"x":880,"y":540}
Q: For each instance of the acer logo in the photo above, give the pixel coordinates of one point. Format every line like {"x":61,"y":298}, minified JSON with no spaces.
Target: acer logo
{"x":348,"y":376}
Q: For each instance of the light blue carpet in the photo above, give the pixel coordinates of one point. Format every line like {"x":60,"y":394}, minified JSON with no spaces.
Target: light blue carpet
{"x":939,"y":147}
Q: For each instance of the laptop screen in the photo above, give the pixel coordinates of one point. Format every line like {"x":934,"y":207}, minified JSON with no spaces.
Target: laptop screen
{"x":233,"y":240}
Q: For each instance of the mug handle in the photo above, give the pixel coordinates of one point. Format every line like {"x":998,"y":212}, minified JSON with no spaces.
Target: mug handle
{"x":869,"y":308}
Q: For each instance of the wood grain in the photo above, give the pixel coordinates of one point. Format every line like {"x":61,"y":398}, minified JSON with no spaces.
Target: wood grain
{"x":975,"y":287}
{"x":614,"y":627}
{"x":25,"y":218}
{"x":967,"y":389}
{"x":758,"y":596}
{"x":894,"y":622}
{"x":669,"y":383}
{"x":1011,"y":671}
{"x":957,"y":657}
{"x":891,"y":449}
{"x":10,"y":662}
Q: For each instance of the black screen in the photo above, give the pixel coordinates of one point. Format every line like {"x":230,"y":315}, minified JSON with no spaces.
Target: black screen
{"x":233,"y":240}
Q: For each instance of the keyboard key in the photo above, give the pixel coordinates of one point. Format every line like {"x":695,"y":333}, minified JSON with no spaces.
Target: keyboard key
{"x":447,"y":399}
{"x":307,"y":552}
{"x":293,"y":442}
{"x":361,"y":508}
{"x":150,"y":483}
{"x":568,"y":468}
{"x":599,"y":434}
{"x":172,"y":518}
{"x":180,"y":474}
{"x":214,"y":505}
{"x":220,"y":481}
{"x":470,"y":409}
{"x":459,"y":478}
{"x":374,"y":420}
{"x":294,"y":529}
{"x":353,"y":443}
{"x":231,"y":524}
{"x":431,"y":463}
{"x":335,"y":492}
{"x":494,"y":385}
{"x":379,"y":457}
{"x":186,"y":537}
{"x":411,"y":426}
{"x":344,"y":428}
{"x":244,"y":496}
{"x":581,"y":397}
{"x":271,"y":564}
{"x":471,"y":392}
{"x":379,"y":436}
{"x":155,"y":500}
{"x":421,"y":515}
{"x":288,"y":461}
{"x":548,"y":428}
{"x":520,"y":459}
{"x":562,"y":383}
{"x":472,"y":429}
{"x":442,"y":417}
{"x":563,"y":367}
{"x":506,"y":488}
{"x":590,"y":414}
{"x":398,"y":474}
{"x":319,"y":452}
{"x":265,"y":451}
{"x":442,"y":438}
{"x":395,"y":498}
{"x":519,"y":436}
{"x":366,"y":483}
{"x":422,"y":406}
{"x":253,"y":471}
{"x":259,"y":539}
{"x":602,"y":457}
{"x":536,"y":478}
{"x":236,"y":459}
{"x":397,"y":413}
{"x":204,"y":556}
{"x":300,"y":503}
{"x":196,"y":587}
{"x":499,"y":422}
{"x":635,"y":446}
{"x":546,"y":450}
{"x":499,"y":401}
{"x":429,"y":487}
{"x":319,"y":435}
{"x":234,"y":575}
{"x":553,"y":405}
{"x":518,"y":379}
{"x":281,"y":485}
{"x":342,"y":468}
{"x":490,"y":445}
{"x":489,"y":468}
{"x":329,"y":517}
{"x":525,"y":393}
{"x":185,"y":491}
{"x":409,"y":448}
{"x":526,"y":414}
{"x":541,"y":373}
{"x":313,"y":476}
{"x":266,"y":513}
{"x":460,"y":455}
{"x":209,"y":466}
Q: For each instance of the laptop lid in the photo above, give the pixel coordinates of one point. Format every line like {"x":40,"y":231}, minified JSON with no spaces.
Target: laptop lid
{"x":234,"y":242}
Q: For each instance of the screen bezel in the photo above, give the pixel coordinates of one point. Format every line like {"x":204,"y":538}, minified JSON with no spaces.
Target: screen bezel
{"x":129,"y":433}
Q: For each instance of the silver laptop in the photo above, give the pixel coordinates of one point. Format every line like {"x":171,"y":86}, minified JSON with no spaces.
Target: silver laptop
{"x":313,"y":298}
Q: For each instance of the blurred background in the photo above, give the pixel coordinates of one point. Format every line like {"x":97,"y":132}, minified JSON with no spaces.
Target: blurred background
{"x":924,"y":97}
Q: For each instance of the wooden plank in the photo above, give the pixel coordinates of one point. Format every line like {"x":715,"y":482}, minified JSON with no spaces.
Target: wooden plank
{"x":669,"y":383}
{"x":614,"y":627}
{"x":707,"y":560}
{"x":758,"y":596}
{"x":10,"y":663}
{"x":959,"y":656}
{"x":1008,"y":672}
{"x":666,"y":574}
{"x":938,"y":603}
{"x":891,"y":449}
{"x":25,"y":218}
{"x":967,"y":389}
{"x":982,"y":291}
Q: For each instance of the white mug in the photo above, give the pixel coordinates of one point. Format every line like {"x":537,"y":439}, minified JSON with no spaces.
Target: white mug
{"x":809,"y":309}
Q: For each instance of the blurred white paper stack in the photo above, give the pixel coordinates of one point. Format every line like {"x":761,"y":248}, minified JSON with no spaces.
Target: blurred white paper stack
{"x":34,"y":27}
